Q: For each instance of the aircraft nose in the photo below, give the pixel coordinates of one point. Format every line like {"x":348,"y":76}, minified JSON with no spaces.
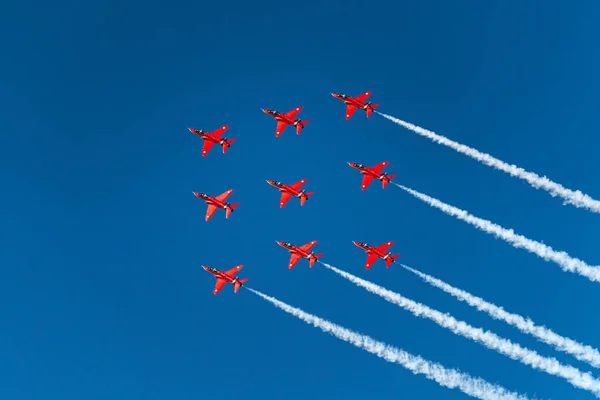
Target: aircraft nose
{"x":350,"y":163}
{"x":278,"y":242}
{"x":355,"y":243}
{"x":191,"y":130}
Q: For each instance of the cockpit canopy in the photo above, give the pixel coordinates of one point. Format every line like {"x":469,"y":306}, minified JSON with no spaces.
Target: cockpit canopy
{"x":361,"y":166}
{"x":277,"y":183}
{"x":212,"y":269}
{"x":287,"y":244}
{"x":204,"y":196}
{"x":343,"y":95}
{"x":364,"y":244}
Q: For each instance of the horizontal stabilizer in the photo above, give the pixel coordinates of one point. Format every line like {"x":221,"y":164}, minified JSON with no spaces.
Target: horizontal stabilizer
{"x":227,"y":144}
{"x":370,"y":109}
{"x":304,"y":197}
{"x":314,"y":258}
{"x":238,"y":284}
{"x":300,"y":126}
{"x":390,"y":260}
{"x":229,"y":209}
{"x":386,"y":180}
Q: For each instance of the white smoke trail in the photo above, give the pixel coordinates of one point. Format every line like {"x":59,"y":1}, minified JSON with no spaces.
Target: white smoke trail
{"x":580,"y":351}
{"x":566,"y":262}
{"x":449,"y":378}
{"x":576,"y":198}
{"x":489,"y":339}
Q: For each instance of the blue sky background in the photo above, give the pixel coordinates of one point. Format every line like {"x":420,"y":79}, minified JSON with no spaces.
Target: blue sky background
{"x":101,"y":290}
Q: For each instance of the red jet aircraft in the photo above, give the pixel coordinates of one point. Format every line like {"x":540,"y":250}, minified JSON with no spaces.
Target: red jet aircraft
{"x":287,"y":191}
{"x":299,"y":252}
{"x":217,"y":202}
{"x":227,"y":276}
{"x":211,"y":138}
{"x":283,"y":120}
{"x":352,"y":103}
{"x":373,"y":253}
{"x":372,"y":172}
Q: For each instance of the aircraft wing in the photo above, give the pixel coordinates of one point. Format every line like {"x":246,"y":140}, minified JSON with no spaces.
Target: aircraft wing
{"x":220,"y":131}
{"x":223,"y":196}
{"x":210,"y":211}
{"x":363,"y":97}
{"x":350,"y":108}
{"x":371,"y":258}
{"x":298,"y":184}
{"x":379,"y":166}
{"x":285,"y":197}
{"x":280,"y":128}
{"x":234,"y":270}
{"x":206,"y":146}
{"x":292,"y":114}
{"x":293,"y":260}
{"x":384,"y":246}
{"x":219,"y":285}
{"x":366,"y":181}
{"x":308,"y":246}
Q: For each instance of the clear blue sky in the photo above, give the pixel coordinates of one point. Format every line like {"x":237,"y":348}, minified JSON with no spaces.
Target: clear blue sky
{"x":101,"y":290}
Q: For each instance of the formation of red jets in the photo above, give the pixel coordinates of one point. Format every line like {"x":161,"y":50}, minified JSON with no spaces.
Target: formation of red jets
{"x":288,"y":191}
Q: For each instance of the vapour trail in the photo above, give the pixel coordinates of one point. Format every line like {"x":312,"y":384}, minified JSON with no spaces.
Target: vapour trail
{"x":450,"y":378}
{"x":564,"y":260}
{"x":576,"y":198}
{"x":489,"y":339}
{"x":580,"y":351}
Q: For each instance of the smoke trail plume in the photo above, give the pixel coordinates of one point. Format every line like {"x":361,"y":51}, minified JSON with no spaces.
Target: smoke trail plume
{"x":580,"y":351}
{"x":566,"y":262}
{"x":450,"y":378}
{"x":576,"y":198}
{"x":489,"y":339}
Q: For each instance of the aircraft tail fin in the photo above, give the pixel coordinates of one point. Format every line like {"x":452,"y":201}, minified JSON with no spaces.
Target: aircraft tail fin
{"x":238,"y":284}
{"x":387,"y":180}
{"x":390,"y":260}
{"x":226,"y":144}
{"x":371,"y":108}
{"x":229,"y":209}
{"x":304,"y":197}
{"x":313,"y":259}
{"x":300,"y":126}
